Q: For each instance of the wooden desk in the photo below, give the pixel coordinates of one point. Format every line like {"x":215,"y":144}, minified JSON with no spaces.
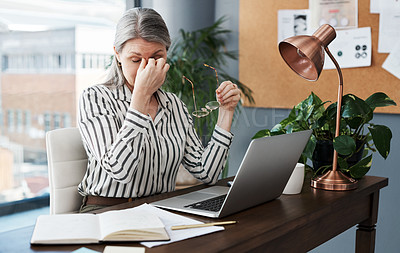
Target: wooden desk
{"x":292,"y":223}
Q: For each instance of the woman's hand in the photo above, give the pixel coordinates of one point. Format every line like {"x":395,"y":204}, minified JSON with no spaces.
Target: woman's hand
{"x":150,"y":76}
{"x":228,"y":95}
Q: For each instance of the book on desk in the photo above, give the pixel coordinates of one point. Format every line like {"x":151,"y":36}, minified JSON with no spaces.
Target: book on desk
{"x":122,"y":225}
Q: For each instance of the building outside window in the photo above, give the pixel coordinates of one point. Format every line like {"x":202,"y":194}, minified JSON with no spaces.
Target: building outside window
{"x":4,"y":62}
{"x":84,"y":61}
{"x":20,"y":126}
{"x":67,"y":120}
{"x":47,"y":121}
{"x":10,"y":121}
{"x":41,"y":79}
{"x":56,"y":120}
{"x":27,"y":116}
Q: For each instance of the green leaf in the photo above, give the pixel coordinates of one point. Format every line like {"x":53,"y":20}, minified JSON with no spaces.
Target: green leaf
{"x":354,"y":107}
{"x":310,"y":146}
{"x":319,"y":109}
{"x":361,"y":168}
{"x":331,"y":110}
{"x":379,"y":99}
{"x":344,"y":144}
{"x":330,"y":114}
{"x":290,"y":129}
{"x":278,"y":132}
{"x":277,"y":128}
{"x":306,"y":102}
{"x":316,"y":99}
{"x":292,"y":115}
{"x":308,"y":112}
{"x":262,"y":133}
{"x":381,"y":136}
{"x":343,"y":164}
{"x":355,"y":122}
{"x":320,"y":122}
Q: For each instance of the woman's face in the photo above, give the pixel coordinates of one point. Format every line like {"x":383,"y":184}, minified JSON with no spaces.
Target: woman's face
{"x":132,"y":53}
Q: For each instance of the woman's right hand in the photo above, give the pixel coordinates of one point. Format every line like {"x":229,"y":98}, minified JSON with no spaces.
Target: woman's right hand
{"x":150,"y":76}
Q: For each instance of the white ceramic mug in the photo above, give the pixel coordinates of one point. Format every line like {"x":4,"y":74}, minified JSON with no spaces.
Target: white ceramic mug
{"x":295,"y":183}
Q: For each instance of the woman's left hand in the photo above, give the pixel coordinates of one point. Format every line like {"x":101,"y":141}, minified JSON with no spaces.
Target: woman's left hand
{"x":228,"y":96}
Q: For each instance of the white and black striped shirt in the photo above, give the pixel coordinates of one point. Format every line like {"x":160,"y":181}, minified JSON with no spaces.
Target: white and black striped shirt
{"x":130,"y":155}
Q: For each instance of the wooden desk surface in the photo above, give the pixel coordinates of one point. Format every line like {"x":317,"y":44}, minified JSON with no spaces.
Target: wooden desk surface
{"x":305,"y":220}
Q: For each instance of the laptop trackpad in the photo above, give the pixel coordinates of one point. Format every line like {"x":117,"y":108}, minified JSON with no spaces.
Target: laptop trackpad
{"x":206,"y":193}
{"x":196,"y":196}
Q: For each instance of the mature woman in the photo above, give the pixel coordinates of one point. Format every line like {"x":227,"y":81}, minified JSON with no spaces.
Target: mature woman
{"x":136,"y":135}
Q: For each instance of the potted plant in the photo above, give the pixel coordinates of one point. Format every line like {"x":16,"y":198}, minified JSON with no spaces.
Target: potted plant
{"x":187,"y":57}
{"x":358,"y":135}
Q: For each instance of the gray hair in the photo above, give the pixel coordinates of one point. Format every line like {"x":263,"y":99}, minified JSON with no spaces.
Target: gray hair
{"x":144,"y":23}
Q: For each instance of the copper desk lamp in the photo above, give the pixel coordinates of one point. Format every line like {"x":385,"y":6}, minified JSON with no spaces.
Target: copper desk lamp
{"x":305,"y":56}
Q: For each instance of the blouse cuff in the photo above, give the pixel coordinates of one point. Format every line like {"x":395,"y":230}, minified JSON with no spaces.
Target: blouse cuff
{"x":136,"y":119}
{"x":222,"y":136}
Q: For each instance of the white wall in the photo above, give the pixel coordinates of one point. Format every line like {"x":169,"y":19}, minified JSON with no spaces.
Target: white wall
{"x":184,"y":14}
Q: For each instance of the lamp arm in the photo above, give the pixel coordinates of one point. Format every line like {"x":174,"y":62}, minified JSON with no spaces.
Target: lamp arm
{"x":339,"y":106}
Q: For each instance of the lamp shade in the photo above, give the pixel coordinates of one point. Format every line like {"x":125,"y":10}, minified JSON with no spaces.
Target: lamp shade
{"x":305,"y":54}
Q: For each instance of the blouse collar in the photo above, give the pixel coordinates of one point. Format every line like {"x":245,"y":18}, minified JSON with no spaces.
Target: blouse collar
{"x":125,"y":94}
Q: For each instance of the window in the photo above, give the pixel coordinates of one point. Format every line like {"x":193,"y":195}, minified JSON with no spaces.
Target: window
{"x":60,"y":61}
{"x":67,"y":120}
{"x":84,"y":61}
{"x":10,"y":120}
{"x":27,"y":116}
{"x":19,"y":121}
{"x":38,"y":63}
{"x":4,"y":62}
{"x":56,"y":120}
{"x":47,"y":122}
{"x":43,"y":65}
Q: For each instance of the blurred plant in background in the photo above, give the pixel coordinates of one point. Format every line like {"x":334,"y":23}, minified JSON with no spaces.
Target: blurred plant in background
{"x":187,"y":57}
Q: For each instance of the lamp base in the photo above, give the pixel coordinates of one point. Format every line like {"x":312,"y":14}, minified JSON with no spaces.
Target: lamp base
{"x":334,"y":181}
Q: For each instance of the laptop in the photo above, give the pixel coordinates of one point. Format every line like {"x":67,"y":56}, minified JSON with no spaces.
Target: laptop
{"x":262,"y":177}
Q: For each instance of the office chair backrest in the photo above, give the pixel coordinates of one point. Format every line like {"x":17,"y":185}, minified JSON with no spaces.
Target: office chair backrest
{"x":67,"y":162}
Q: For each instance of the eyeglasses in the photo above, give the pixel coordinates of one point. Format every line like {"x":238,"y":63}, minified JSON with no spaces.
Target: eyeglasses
{"x":213,"y":105}
{"x":210,"y":106}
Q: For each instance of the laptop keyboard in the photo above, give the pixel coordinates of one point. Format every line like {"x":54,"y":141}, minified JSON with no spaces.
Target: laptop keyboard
{"x":213,"y":204}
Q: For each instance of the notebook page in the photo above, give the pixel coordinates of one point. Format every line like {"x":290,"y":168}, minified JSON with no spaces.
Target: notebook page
{"x":170,"y":219}
{"x":68,"y":228}
{"x":128,"y":219}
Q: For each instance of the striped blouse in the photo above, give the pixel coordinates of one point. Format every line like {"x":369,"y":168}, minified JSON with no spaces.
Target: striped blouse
{"x":130,"y":155}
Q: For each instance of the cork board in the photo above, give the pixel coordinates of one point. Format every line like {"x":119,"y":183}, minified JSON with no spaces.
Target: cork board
{"x":275,"y":85}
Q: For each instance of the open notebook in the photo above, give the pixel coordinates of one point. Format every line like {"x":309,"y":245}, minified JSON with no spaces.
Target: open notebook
{"x":123,"y":225}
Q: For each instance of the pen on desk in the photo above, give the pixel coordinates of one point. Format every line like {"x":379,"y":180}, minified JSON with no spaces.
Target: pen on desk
{"x":203,"y":225}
